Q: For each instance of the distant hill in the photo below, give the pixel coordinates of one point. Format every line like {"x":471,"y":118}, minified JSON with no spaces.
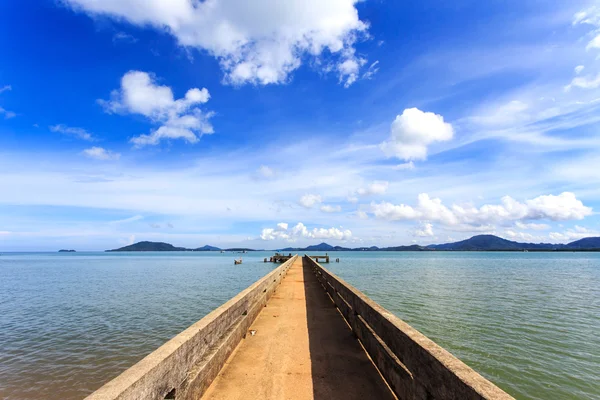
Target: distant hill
{"x":586,"y":243}
{"x":320,"y":247}
{"x":207,"y":248}
{"x":414,"y":247}
{"x":476,"y":243}
{"x":492,"y":243}
{"x":150,"y":246}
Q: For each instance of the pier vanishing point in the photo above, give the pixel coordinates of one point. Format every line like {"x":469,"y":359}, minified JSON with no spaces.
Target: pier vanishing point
{"x":300,"y":332}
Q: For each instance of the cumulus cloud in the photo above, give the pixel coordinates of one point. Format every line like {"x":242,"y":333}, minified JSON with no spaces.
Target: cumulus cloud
{"x":579,"y":232}
{"x":426,"y":230}
{"x":375,"y":188}
{"x":300,"y":231}
{"x":178,"y":119}
{"x":331,"y":209}
{"x":413,"y":131}
{"x":79,"y":133}
{"x":522,"y":236}
{"x":556,"y":208}
{"x":99,"y":153}
{"x":532,"y":226}
{"x":310,"y":200}
{"x":261,"y":41}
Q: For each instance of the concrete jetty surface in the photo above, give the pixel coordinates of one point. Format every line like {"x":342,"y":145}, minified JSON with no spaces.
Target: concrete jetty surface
{"x":300,"y":332}
{"x":302,"y":349}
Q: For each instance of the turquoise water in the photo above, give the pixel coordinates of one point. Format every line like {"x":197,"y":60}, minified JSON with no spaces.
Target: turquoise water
{"x":530,"y":322}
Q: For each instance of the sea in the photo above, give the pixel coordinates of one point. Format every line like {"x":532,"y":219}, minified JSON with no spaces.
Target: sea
{"x":529,"y":322}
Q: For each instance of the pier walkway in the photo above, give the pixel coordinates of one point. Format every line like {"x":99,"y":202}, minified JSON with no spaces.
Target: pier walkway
{"x":300,"y":332}
{"x":302,"y":349}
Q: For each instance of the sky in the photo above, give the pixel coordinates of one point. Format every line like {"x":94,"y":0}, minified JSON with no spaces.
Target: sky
{"x":269,"y":124}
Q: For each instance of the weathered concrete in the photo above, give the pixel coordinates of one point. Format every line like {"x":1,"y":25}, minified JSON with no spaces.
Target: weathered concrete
{"x":302,"y":349}
{"x":186,"y":365}
{"x":301,"y":345}
{"x":413,"y":365}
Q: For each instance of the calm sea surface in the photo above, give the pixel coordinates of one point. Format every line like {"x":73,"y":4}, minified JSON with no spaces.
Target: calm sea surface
{"x":530,"y":322}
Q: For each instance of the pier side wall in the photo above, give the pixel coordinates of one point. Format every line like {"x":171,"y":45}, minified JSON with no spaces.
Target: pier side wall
{"x":185,"y":366}
{"x":413,"y":365}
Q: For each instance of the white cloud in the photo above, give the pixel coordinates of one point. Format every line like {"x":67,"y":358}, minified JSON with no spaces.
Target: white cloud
{"x":584,"y":82}
{"x":331,"y":209}
{"x":362,"y":215}
{"x":5,"y":88}
{"x":179,"y":119}
{"x":507,"y":114}
{"x":375,"y":188}
{"x":266,"y":172}
{"x":309,"y":200}
{"x":426,"y":230}
{"x":408,"y":166}
{"x":532,"y":226}
{"x":522,"y":236}
{"x":300,"y":231}
{"x":371,"y":71}
{"x":594,"y":43}
{"x":79,"y":133}
{"x":7,"y":114}
{"x":127,"y":220}
{"x":576,"y":233}
{"x":99,"y":153}
{"x":413,"y":131}
{"x":591,"y":16}
{"x":391,"y":212}
{"x":261,"y":41}
{"x":579,"y":69}
{"x":556,"y":208}
{"x":124,"y":37}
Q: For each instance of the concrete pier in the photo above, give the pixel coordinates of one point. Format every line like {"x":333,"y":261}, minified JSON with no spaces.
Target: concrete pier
{"x":302,"y":349}
{"x":300,"y":333}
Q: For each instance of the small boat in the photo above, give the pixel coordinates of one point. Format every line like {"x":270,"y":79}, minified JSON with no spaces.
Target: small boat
{"x":236,"y":262}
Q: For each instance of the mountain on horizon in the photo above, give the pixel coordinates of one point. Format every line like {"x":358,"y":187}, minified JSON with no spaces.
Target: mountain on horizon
{"x":585,"y":243}
{"x":150,"y":246}
{"x":207,"y":248}
{"x":475,"y":243}
{"x":495,"y":243}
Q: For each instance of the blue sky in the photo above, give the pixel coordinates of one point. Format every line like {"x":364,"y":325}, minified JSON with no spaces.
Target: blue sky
{"x":268,"y":123}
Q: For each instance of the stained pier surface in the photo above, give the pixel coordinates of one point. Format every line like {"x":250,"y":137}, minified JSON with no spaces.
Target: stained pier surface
{"x":302,"y":349}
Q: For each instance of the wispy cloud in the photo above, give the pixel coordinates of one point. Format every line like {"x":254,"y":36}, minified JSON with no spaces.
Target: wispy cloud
{"x":127,"y":220}
{"x":78,"y":133}
{"x":122,"y":37}
{"x":99,"y":153}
